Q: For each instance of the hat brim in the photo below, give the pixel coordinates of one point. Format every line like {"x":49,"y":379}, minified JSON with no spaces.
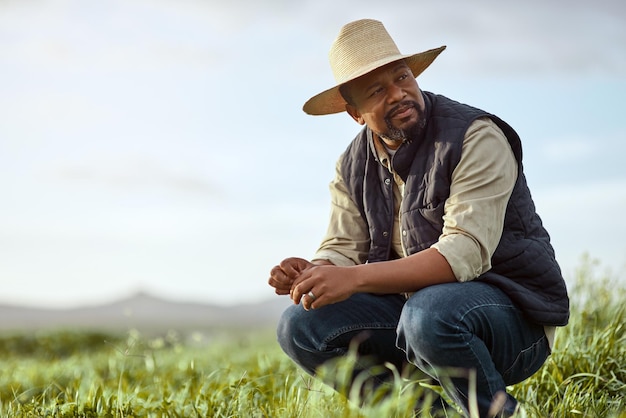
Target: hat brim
{"x":330,"y":101}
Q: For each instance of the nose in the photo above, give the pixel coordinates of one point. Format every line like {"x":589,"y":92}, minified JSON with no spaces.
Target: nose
{"x":395,"y":94}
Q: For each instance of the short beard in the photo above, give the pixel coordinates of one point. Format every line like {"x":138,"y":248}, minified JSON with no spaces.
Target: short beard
{"x":414,"y":131}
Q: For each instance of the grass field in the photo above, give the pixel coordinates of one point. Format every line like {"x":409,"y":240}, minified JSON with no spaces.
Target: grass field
{"x":243,"y":373}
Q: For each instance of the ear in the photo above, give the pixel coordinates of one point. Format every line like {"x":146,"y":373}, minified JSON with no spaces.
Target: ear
{"x":355,"y":114}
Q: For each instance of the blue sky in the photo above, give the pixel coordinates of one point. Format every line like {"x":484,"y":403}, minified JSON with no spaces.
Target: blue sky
{"x":160,"y":145}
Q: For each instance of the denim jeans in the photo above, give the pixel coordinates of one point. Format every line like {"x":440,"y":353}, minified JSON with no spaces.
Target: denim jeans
{"x":448,"y":331}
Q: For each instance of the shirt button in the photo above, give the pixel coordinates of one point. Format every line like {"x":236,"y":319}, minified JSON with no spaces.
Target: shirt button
{"x":404,"y":232}
{"x":387,"y":182}
{"x":385,"y":234}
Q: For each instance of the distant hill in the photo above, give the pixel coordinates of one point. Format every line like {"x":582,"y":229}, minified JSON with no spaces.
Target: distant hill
{"x":144,"y":312}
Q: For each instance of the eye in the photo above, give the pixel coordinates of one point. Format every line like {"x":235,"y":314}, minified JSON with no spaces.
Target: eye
{"x":376,"y":91}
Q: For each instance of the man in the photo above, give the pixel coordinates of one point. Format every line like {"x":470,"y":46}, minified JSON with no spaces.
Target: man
{"x":434,"y":254}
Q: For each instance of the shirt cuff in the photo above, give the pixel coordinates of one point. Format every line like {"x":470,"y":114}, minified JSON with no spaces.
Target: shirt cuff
{"x":334,"y":257}
{"x":463,"y":255}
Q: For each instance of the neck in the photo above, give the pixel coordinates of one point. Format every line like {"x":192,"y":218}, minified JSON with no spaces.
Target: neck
{"x":392,"y":144}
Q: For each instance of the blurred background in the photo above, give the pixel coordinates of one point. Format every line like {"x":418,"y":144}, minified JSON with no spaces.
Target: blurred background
{"x":159,"y":146}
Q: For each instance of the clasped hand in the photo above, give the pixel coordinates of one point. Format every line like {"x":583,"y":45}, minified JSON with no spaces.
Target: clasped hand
{"x":313,"y":285}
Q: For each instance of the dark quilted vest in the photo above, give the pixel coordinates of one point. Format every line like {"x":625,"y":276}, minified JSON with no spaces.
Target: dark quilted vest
{"x":523,"y":265}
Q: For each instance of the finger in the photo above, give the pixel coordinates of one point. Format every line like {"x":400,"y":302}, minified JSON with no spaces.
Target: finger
{"x":300,"y":287}
{"x":309,"y":300}
{"x":278,"y":278}
{"x":290,"y":269}
{"x":275,"y":270}
{"x":278,"y":273}
{"x":275,"y":282}
{"x":294,"y":293}
{"x":294,"y":266}
{"x":302,"y":277}
{"x":306,"y":304}
{"x":281,"y":287}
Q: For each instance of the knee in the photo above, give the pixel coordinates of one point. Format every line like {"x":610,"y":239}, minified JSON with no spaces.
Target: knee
{"x":303,"y":336}
{"x":297,"y":334}
{"x":289,"y":330}
{"x":424,"y":329}
{"x":412,"y":333}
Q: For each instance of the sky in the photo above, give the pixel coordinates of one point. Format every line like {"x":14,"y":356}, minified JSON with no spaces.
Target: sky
{"x":160,"y":146}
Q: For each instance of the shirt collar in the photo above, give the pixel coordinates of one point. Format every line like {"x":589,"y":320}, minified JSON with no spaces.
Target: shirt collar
{"x":380,"y":151}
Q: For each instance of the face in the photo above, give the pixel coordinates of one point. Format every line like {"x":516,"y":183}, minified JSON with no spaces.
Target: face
{"x":389,"y":101}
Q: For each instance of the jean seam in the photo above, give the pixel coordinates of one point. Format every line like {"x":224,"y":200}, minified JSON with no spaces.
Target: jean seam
{"x":485,"y":306}
{"x":468,"y":342}
{"x":521,"y":353}
{"x":492,"y":392}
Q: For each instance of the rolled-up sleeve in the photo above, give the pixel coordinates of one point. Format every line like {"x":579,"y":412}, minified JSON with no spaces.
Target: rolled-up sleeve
{"x":474,"y":212}
{"x":346,"y":241}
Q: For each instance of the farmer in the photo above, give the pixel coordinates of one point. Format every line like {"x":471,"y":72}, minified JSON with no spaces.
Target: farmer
{"x":434,"y":254}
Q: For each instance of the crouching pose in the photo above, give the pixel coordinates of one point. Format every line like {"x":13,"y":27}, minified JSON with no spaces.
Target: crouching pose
{"x":434,"y":254}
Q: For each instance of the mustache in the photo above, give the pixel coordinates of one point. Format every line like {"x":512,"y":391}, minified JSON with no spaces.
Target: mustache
{"x":403,"y":104}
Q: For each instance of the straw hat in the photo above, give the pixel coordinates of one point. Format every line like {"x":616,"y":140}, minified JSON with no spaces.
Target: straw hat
{"x":361,"y":47}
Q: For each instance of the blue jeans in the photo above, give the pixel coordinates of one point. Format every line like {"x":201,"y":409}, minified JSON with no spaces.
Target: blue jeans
{"x":441,"y":329}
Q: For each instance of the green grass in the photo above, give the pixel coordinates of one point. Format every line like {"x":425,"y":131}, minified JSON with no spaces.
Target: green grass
{"x":244,"y":373}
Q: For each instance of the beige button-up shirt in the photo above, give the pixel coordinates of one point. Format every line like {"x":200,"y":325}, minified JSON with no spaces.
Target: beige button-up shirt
{"x":474,"y":212}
